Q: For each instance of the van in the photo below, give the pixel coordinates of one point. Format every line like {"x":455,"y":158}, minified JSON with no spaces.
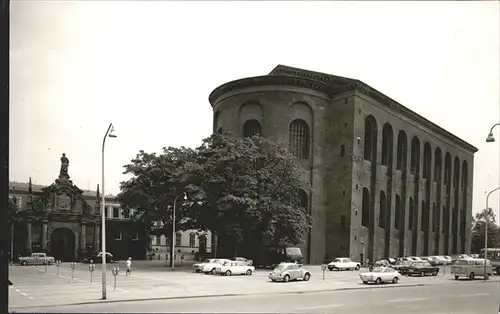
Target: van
{"x":471,"y":268}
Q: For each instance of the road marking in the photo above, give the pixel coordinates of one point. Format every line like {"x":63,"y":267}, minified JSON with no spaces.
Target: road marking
{"x":407,"y":300}
{"x":474,"y":295}
{"x":22,"y":293}
{"x":17,"y":290}
{"x":318,"y":307}
{"x":31,"y":298}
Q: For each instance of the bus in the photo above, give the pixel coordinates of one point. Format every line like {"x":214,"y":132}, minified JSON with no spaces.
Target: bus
{"x":494,"y":256}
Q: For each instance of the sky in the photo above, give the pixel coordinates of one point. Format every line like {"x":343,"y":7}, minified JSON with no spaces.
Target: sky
{"x":148,"y":67}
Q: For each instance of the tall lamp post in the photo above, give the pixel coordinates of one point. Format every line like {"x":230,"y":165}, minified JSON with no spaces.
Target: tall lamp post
{"x":486,"y":218}
{"x":173,"y":228}
{"x":110,"y":133}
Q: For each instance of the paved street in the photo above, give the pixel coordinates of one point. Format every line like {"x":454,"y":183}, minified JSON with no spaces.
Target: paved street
{"x":459,"y":297}
{"x":34,"y":288}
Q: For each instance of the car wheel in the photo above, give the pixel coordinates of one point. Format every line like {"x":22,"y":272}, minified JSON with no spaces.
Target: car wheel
{"x":249,"y":272}
{"x":307,"y":276}
{"x":395,"y":280}
{"x":24,"y":263}
{"x":365,"y":282}
{"x":486,"y":277}
{"x":456,"y":277}
{"x":331,"y":268}
{"x":286,"y":278}
{"x":497,"y":270}
{"x":357,"y":267}
{"x":378,"y":281}
{"x":471,"y":276}
{"x":435,"y":273}
{"x":422,"y":274}
{"x":273,"y":280}
{"x":228,"y":273}
{"x":212,"y":272}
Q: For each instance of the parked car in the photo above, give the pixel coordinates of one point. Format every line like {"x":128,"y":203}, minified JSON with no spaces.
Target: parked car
{"x":402,"y":266}
{"x":36,"y":259}
{"x":381,"y":263}
{"x":243,"y":259}
{"x":380,"y":275}
{"x":434,"y":261}
{"x":391,"y":260}
{"x":343,"y":263}
{"x":289,"y":271}
{"x":235,"y":268}
{"x":96,"y":258}
{"x":448,"y":259}
{"x":422,"y":268}
{"x":470,"y":268}
{"x":211,"y":268}
{"x":198,"y":267}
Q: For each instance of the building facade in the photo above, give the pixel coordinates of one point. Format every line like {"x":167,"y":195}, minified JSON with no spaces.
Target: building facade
{"x":385,"y":181}
{"x":187,"y":244}
{"x":65,"y":222}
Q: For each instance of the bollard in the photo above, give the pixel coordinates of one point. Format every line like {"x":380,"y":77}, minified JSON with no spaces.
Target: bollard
{"x":72,"y":265}
{"x":323,"y":269}
{"x":91,"y":269}
{"x":115,"y":273}
{"x":58,"y":264}
{"x":45,"y":264}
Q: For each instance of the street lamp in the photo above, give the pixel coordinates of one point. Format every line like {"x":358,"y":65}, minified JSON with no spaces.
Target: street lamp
{"x":486,"y":218}
{"x":173,"y":228}
{"x":110,"y":133}
{"x":491,"y":138}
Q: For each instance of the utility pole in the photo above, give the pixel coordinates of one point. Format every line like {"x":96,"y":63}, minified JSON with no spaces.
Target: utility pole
{"x":4,"y":166}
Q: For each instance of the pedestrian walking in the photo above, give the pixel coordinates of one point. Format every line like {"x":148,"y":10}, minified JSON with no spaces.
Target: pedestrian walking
{"x":129,"y":266}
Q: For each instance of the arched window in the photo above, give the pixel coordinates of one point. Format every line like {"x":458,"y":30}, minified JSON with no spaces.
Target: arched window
{"x":299,"y":139}
{"x":402,"y":150}
{"x":192,"y":239}
{"x":398,"y":224}
{"x":202,"y":243}
{"x":304,"y":200}
{"x":387,"y":144}
{"x":178,"y":239}
{"x":438,"y":161}
{"x":447,"y":169}
{"x":464,"y":187}
{"x":383,"y":210}
{"x":445,"y":219}
{"x":365,"y":211}
{"x":252,"y":127}
{"x":415,"y":156}
{"x":370,"y":147}
{"x":410,"y":215}
{"x":423,"y":217}
{"x":456,"y":173}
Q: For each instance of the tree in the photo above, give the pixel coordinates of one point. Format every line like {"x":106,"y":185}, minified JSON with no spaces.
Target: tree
{"x":13,"y":212}
{"x":252,"y":192}
{"x":156,"y":181}
{"x":245,"y":190}
{"x":478,"y":230}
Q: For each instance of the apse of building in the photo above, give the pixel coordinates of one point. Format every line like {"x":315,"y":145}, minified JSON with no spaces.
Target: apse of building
{"x":386,"y":182}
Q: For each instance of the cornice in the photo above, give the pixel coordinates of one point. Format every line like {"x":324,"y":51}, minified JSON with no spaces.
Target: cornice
{"x":402,"y":110}
{"x":286,"y":80}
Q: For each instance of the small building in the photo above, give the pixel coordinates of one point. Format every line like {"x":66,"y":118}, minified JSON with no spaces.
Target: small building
{"x":65,"y":221}
{"x":189,"y":244}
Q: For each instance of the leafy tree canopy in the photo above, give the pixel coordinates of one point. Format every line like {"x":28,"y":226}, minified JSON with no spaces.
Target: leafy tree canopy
{"x":239,"y":188}
{"x":478,"y":230}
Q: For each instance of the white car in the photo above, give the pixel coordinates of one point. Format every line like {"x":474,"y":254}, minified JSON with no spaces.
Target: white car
{"x":198,"y":267}
{"x":343,"y":263}
{"x":380,"y":275}
{"x":235,"y":268}
{"x":211,"y":267}
{"x":286,"y":272}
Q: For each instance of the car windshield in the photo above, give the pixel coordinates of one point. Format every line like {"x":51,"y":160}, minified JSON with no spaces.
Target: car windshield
{"x":403,"y":263}
{"x":293,"y":251}
{"x":337,"y":260}
{"x":378,"y":270}
{"x":280,"y":267}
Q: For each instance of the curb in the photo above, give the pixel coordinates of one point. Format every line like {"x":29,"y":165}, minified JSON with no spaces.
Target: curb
{"x":218,"y":296}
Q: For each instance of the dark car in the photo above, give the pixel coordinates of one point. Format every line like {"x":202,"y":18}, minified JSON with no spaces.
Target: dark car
{"x":381,"y":263}
{"x":402,"y":266}
{"x":97,"y":258}
{"x":422,"y":268}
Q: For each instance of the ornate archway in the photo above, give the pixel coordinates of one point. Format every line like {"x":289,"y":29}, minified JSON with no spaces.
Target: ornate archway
{"x":62,"y":244}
